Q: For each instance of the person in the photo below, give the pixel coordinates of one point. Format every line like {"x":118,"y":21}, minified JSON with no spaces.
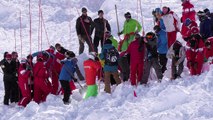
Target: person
{"x":205,"y":25}
{"x":9,"y":71}
{"x":60,"y":48}
{"x":16,"y":94}
{"x":210,"y":16}
{"x":110,"y":55}
{"x":42,"y":86}
{"x":130,"y":27}
{"x":24,"y":75}
{"x":151,"y":58}
{"x":31,"y":79}
{"x":188,"y":12}
{"x":84,"y":28}
{"x":136,"y":52}
{"x":177,"y":54}
{"x":67,"y":74}
{"x":189,"y":24}
{"x":172,"y":24}
{"x":208,"y":50}
{"x":108,"y":35}
{"x":92,"y":68}
{"x":101,"y":26}
{"x":162,"y":45}
{"x":194,"y":52}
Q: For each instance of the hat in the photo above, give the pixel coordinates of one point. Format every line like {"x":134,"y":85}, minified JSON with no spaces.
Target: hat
{"x":92,"y":55}
{"x":100,"y":11}
{"x":8,"y":56}
{"x":158,"y":10}
{"x":23,"y":61}
{"x":187,"y":22}
{"x":150,"y":36}
{"x":108,"y":41}
{"x":14,"y":54}
{"x":29,"y":57}
{"x":83,"y":9}
{"x":40,"y":57}
{"x":206,"y":10}
{"x":157,"y":28}
{"x":57,"y":45}
{"x":5,"y":53}
{"x":70,"y":54}
{"x":177,"y":45}
{"x":194,"y":30}
{"x":127,"y":15}
{"x":201,"y":13}
{"x":52,"y":47}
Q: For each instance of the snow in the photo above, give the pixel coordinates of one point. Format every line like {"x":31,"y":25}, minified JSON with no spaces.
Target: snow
{"x":187,"y":98}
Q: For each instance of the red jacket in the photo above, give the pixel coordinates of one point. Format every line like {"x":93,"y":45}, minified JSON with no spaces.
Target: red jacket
{"x":40,"y":72}
{"x":92,"y":69}
{"x":195,"y":53}
{"x":23,"y":74}
{"x":188,"y":11}
{"x":135,"y":55}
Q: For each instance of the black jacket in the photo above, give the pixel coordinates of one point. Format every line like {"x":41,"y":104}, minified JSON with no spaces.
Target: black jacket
{"x":100,"y":27}
{"x":80,"y":28}
{"x":151,"y":49}
{"x":9,"y":70}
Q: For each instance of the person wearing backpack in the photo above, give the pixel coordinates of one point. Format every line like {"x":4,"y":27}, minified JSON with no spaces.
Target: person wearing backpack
{"x":177,"y":54}
{"x":67,"y":74}
{"x":110,"y":54}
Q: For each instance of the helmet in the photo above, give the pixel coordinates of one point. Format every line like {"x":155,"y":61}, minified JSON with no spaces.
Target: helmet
{"x":23,"y":61}
{"x":150,"y":36}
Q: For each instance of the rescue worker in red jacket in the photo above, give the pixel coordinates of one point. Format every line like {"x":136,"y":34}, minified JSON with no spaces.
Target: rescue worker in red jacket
{"x":194,"y":52}
{"x":42,"y":86}
{"x":92,"y":68}
{"x":189,"y":24}
{"x":188,"y":12}
{"x":24,"y":75}
{"x":136,"y":51}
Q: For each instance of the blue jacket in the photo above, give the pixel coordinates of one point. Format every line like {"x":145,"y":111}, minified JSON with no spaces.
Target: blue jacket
{"x":102,"y":57}
{"x":206,"y":28}
{"x":162,"y":45}
{"x":68,"y":69}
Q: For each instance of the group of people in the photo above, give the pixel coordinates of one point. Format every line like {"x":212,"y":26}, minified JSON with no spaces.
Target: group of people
{"x":129,"y":59}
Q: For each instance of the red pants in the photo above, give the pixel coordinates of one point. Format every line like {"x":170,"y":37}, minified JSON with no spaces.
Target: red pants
{"x":184,"y":31}
{"x":136,"y":72}
{"x":26,"y":94}
{"x":41,"y":89}
{"x":55,"y":83}
{"x":195,"y":69}
{"x":172,"y":36}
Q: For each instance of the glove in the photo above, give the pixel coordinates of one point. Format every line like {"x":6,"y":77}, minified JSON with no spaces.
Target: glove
{"x":2,"y":66}
{"x":120,"y":33}
{"x":75,"y":79}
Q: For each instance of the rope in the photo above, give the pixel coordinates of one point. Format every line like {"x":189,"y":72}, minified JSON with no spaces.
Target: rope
{"x":86,"y":31}
{"x":42,"y":19}
{"x":39,"y":24}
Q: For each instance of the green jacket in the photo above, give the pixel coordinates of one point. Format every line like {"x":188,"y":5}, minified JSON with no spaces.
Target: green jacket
{"x":131,"y":26}
{"x":114,"y":42}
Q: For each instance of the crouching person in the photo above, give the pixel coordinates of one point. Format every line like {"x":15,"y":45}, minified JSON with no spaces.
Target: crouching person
{"x":42,"y":86}
{"x":92,"y":68}
{"x":110,"y":55}
{"x":151,"y":58}
{"x":24,"y":75}
{"x":177,"y":54}
{"x":67,"y":74}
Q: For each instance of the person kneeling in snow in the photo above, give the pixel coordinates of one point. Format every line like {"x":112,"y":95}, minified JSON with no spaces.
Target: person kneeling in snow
{"x":177,"y":54}
{"x":67,"y":74}
{"x":208,"y":50}
{"x":92,"y":68}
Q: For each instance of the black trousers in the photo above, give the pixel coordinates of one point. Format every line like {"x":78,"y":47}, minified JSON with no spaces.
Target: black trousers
{"x":11,"y":91}
{"x":88,"y":41}
{"x":125,"y":69}
{"x":163,"y":61}
{"x":96,"y":42}
{"x":66,"y":87}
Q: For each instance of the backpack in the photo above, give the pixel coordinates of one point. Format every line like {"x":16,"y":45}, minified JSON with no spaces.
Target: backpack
{"x":111,"y":57}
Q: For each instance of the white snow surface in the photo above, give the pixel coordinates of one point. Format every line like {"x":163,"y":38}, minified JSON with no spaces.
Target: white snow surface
{"x":187,"y":98}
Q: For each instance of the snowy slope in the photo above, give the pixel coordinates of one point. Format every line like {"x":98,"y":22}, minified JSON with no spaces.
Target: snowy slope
{"x":184,"y":99}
